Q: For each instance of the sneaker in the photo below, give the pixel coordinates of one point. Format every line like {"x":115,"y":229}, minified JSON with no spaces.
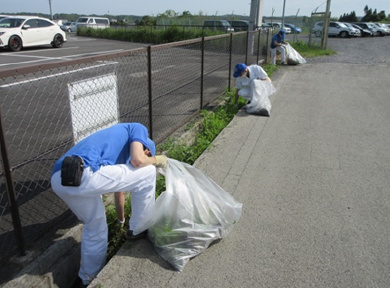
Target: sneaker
{"x":131,"y":237}
{"x":264,"y":112}
{"x":79,"y":283}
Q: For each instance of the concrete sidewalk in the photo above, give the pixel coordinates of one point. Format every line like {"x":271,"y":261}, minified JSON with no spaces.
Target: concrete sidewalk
{"x":314,"y":182}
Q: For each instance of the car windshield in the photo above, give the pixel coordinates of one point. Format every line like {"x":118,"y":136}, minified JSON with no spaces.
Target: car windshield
{"x":11,"y":22}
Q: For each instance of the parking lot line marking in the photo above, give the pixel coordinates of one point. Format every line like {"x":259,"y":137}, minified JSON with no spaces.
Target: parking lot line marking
{"x":35,"y":51}
{"x":55,"y":75}
{"x":102,"y":52}
{"x":43,"y":58}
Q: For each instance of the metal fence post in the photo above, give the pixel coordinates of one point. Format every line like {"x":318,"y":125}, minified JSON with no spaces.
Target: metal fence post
{"x":150,"y":91}
{"x":230,"y":59}
{"x":247,"y":47}
{"x":258,"y":47}
{"x":268,"y":47}
{"x":11,"y":190}
{"x":202,"y":74}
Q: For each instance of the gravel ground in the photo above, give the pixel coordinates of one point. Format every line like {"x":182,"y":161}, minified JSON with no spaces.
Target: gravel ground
{"x":361,"y":50}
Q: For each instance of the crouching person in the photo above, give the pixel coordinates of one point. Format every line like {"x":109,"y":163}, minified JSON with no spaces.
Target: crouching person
{"x":244,"y":77}
{"x":119,"y":158}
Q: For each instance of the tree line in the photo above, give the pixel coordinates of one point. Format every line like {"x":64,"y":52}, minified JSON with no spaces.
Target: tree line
{"x":370,"y":15}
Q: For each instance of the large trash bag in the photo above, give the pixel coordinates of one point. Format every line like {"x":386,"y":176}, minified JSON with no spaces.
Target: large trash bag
{"x":192,"y":213}
{"x":260,"y":103}
{"x":293,"y":57}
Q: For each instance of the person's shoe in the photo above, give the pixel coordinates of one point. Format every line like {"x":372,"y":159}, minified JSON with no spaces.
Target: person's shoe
{"x":79,"y":283}
{"x":264,"y":112}
{"x":131,"y":237}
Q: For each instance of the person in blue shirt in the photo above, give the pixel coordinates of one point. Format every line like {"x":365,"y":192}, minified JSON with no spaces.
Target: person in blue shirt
{"x":119,"y":158}
{"x":277,"y":45}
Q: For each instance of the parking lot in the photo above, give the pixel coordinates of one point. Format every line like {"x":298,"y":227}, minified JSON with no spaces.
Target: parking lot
{"x":75,"y":47}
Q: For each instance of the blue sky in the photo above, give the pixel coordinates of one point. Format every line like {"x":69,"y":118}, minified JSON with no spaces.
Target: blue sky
{"x":208,"y":7}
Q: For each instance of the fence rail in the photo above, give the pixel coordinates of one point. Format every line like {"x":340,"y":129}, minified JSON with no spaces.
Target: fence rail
{"x":46,"y":108}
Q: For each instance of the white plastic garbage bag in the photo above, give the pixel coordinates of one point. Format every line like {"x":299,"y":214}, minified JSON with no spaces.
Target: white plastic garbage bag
{"x":192,"y":213}
{"x":260,"y":103}
{"x":293,"y":57}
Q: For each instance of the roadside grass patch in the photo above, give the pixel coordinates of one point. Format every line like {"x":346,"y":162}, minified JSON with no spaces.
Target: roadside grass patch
{"x":313,"y":50}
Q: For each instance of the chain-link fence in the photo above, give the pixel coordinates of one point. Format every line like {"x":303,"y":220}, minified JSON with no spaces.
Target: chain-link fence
{"x":45,"y":109}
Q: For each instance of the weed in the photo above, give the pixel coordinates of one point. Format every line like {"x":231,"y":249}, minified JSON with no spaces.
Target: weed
{"x":313,"y":50}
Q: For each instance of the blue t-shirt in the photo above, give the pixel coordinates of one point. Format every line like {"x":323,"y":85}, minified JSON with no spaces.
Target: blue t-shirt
{"x":278,"y":39}
{"x":108,"y":146}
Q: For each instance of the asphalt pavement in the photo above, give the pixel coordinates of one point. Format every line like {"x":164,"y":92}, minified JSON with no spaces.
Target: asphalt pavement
{"x":313,"y":180}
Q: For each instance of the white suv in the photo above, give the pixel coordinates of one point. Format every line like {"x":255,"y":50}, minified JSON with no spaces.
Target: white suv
{"x":335,"y":29}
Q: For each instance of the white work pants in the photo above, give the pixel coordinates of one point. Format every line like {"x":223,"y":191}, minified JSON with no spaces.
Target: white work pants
{"x":282,"y":52}
{"x":246,"y":93}
{"x":86,"y":202}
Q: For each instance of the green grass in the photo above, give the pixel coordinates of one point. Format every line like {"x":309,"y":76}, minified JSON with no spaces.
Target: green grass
{"x":313,"y":50}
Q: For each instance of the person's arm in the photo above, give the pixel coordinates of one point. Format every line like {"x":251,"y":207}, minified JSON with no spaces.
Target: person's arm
{"x":141,"y":158}
{"x":277,"y":44}
{"x":138,"y":156}
{"x":120,"y":206}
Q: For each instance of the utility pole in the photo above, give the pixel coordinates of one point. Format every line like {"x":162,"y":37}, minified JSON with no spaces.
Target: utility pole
{"x":284,"y":6}
{"x":259,"y":9}
{"x":253,"y":15}
{"x":252,"y":25}
{"x":51,"y":13}
{"x":326,"y":25}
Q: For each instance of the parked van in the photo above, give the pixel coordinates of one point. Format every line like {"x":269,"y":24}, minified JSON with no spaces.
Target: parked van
{"x":221,"y":25}
{"x":239,"y":25}
{"x":93,"y":22}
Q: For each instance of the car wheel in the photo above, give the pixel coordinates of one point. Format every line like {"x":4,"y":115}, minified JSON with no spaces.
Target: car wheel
{"x":69,"y":30}
{"x":318,"y":34}
{"x":343,"y":34}
{"x":58,"y":41}
{"x":15,"y":43}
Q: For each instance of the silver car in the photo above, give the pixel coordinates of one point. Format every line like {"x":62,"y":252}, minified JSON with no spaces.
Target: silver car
{"x":69,"y":27}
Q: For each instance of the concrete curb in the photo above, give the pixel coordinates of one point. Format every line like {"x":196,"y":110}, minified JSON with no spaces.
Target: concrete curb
{"x":55,"y":266}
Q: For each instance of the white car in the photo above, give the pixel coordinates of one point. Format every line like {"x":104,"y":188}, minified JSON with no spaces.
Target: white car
{"x":382,"y":29}
{"x":335,"y":29}
{"x":278,"y":25}
{"x":25,"y":31}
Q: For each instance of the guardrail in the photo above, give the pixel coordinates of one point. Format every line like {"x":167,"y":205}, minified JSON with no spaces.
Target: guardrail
{"x":46,"y":108}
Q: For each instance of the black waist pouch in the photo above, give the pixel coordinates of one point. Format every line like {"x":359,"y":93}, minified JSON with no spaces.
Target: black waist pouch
{"x":71,"y":171}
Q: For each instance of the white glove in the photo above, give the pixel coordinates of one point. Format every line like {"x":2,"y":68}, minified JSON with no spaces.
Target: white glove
{"x":161,"y":161}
